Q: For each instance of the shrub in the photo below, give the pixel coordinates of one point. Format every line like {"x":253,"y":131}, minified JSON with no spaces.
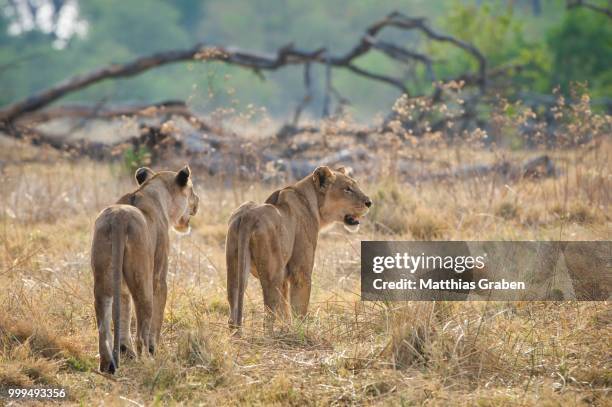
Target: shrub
{"x":134,"y":159}
{"x":507,"y":210}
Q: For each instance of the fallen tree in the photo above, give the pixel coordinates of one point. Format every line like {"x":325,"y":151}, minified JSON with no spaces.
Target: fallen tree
{"x":163,"y":111}
{"x":21,"y":119}
{"x":259,"y":62}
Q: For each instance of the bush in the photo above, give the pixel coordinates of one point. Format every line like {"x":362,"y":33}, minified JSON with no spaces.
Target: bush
{"x":507,"y":210}
{"x":134,"y":159}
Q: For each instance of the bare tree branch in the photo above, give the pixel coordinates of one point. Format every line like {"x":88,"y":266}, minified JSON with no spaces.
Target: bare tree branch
{"x":582,"y":3}
{"x":25,"y":129}
{"x":171,"y":107}
{"x":398,"y":20}
{"x":328,"y":85}
{"x":307,"y":96}
{"x":258,"y":62}
{"x":378,"y":77}
{"x":402,"y":54}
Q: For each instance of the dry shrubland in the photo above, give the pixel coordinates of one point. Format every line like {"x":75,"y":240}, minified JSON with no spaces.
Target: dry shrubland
{"x":346,"y":351}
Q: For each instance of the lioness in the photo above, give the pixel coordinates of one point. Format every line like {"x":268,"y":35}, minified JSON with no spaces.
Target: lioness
{"x":276,"y":241}
{"x":129,"y":255}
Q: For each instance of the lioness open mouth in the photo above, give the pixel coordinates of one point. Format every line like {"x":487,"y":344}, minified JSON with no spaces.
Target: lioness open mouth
{"x":183,"y":225}
{"x":351,"y":220}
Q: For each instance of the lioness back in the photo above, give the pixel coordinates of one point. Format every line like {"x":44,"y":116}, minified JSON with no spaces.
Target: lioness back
{"x":137,"y":243}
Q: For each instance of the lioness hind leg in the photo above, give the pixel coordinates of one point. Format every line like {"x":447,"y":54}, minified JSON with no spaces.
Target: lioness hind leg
{"x":103,"y":305}
{"x":300,"y":271}
{"x":300,"y":294}
{"x":274,"y":290}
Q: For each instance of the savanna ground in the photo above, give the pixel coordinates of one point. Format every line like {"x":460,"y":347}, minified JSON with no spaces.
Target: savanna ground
{"x":346,"y":351}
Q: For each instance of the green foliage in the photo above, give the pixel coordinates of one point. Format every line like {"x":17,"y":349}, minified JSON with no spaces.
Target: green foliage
{"x":582,"y":51}
{"x":134,"y":159}
{"x":555,"y":47}
{"x":491,"y":27}
{"x":499,"y":31}
{"x":80,"y":364}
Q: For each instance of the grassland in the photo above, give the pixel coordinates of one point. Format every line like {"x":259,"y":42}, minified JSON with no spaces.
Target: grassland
{"x":346,"y":352}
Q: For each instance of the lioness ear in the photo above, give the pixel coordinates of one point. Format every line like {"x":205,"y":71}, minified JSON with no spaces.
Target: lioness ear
{"x":273,"y":198}
{"x":183,"y":176}
{"x":323,"y":177}
{"x":142,"y":174}
{"x":348,"y":171}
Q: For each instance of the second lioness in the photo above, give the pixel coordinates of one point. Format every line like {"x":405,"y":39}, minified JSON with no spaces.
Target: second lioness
{"x":129,"y":258}
{"x":276,"y":241}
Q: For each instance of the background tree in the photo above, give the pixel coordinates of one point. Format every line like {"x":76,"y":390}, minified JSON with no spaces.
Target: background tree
{"x":552,"y":44}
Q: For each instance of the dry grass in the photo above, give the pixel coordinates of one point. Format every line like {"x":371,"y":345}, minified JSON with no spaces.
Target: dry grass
{"x":346,"y":351}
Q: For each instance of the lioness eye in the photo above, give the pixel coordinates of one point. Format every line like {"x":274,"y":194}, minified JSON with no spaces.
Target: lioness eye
{"x":348,"y":190}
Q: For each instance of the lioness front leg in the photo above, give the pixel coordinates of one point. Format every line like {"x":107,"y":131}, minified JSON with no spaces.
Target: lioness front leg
{"x":266,"y":256}
{"x":103,"y":303}
{"x":272,"y":278}
{"x":144,"y":313}
{"x":273,"y":302}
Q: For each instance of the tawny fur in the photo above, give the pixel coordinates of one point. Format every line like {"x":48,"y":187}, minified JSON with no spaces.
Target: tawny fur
{"x":129,"y":258}
{"x":276,"y":241}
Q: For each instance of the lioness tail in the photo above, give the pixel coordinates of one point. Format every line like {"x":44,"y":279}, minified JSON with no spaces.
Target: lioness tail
{"x":244,"y":227}
{"x":118,"y":230}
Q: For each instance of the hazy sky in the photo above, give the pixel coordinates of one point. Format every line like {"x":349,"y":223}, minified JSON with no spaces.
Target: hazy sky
{"x":42,"y":15}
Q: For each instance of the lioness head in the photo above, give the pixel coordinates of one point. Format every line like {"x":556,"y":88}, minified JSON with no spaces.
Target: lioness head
{"x":183,"y":203}
{"x":343,"y":201}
